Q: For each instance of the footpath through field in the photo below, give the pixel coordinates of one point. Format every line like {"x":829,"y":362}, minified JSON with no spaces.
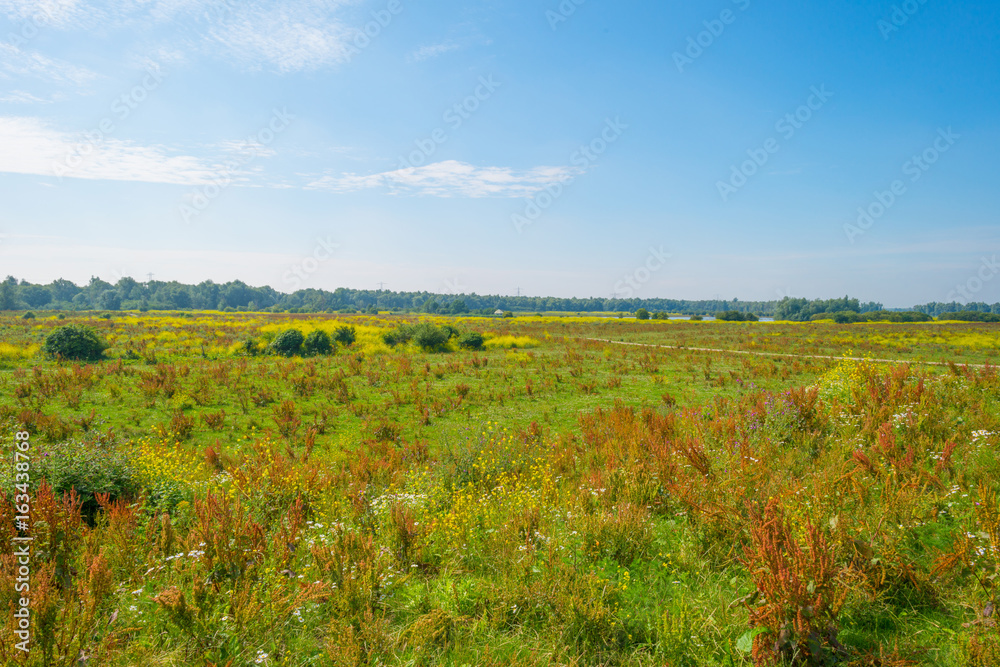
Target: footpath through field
{"x":783,"y":354}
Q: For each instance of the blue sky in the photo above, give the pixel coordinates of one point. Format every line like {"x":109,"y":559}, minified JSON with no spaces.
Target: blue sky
{"x":588,"y":148}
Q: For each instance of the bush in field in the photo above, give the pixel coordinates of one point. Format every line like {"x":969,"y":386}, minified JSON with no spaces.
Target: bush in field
{"x":846,"y":317}
{"x":75,"y":342}
{"x":288,"y":342}
{"x":344,"y":335}
{"x":642,"y":314}
{"x":473,"y":340}
{"x":88,"y":468}
{"x":249,"y":347}
{"x":735,"y":316}
{"x":450,"y":330}
{"x":430,"y":338}
{"x":398,"y":336}
{"x":317,"y":342}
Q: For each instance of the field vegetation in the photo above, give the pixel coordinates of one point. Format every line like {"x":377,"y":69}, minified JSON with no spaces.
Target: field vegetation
{"x":236,"y":489}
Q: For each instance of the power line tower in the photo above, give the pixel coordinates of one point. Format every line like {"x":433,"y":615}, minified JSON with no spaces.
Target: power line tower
{"x":149,"y":277}
{"x":381,"y":285}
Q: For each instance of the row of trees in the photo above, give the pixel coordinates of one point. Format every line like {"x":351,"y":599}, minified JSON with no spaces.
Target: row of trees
{"x":936,"y":309}
{"x":801,"y":310}
{"x":130,"y":294}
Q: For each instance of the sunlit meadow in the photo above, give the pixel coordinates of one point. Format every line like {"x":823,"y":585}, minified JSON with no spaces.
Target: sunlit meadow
{"x":541,"y":494}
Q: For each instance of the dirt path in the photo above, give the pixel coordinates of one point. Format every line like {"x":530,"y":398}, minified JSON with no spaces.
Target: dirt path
{"x":782,"y":354}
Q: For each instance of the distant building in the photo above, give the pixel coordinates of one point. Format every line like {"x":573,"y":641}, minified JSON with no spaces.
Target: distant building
{"x":498,"y":312}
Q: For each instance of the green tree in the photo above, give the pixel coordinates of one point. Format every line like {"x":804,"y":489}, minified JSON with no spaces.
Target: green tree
{"x":8,"y":299}
{"x":63,"y":290}
{"x":35,"y":296}
{"x":109,"y":300}
{"x":642,"y":314}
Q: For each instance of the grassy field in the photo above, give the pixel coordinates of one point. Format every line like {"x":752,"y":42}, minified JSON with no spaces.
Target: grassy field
{"x":556,"y":497}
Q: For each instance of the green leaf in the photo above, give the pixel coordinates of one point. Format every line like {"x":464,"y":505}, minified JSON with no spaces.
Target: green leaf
{"x":745,"y":642}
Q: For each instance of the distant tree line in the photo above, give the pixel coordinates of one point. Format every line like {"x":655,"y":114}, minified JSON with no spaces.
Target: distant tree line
{"x":800,"y":310}
{"x":936,"y":309}
{"x":130,"y":294}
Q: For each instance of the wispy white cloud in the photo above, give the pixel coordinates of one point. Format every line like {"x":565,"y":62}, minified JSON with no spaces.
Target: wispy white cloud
{"x":433,"y":50}
{"x":30,"y":146}
{"x":54,"y":13}
{"x":451,"y":178}
{"x":20,"y":64}
{"x":21,"y":97}
{"x":288,"y":38}
{"x":283,"y":37}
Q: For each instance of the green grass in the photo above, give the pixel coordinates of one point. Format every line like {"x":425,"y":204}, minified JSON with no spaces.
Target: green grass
{"x":512,"y":506}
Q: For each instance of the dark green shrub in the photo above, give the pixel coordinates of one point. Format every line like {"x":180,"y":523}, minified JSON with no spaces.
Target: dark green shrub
{"x":846,"y":317}
{"x":398,"y":336}
{"x":970,"y":316}
{"x":288,"y":342}
{"x":344,"y":335}
{"x":430,"y":338}
{"x":473,"y":340}
{"x":28,"y":316}
{"x":88,"y":468}
{"x":318,"y":342}
{"x":75,"y":342}
{"x":642,"y":314}
{"x":735,"y":316}
{"x":249,"y":347}
{"x":450,"y":330}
